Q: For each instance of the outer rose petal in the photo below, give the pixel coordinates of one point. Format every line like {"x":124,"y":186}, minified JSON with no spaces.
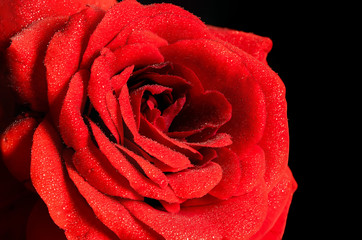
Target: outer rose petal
{"x":16,"y":14}
{"x":279,"y":200}
{"x":236,"y":218}
{"x":66,"y":206}
{"x":256,"y":93}
{"x":275,"y":139}
{"x":25,"y":58}
{"x":64,"y":53}
{"x":255,"y":45}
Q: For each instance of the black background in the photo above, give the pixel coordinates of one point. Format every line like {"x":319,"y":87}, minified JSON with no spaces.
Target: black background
{"x":305,"y":39}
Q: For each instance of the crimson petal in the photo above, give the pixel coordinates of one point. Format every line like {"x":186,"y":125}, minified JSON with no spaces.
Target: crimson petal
{"x":279,"y":200}
{"x":25,"y":58}
{"x":96,"y":169}
{"x":99,"y":86}
{"x":231,"y":172}
{"x":217,"y":141}
{"x":154,"y":173}
{"x":162,"y":153}
{"x":64,"y":53}
{"x":210,"y":109}
{"x":195,"y":182}
{"x":110,"y":211}
{"x":71,"y":124}
{"x":114,"y":20}
{"x":138,"y":182}
{"x":255,"y":45}
{"x":151,"y":131}
{"x":231,"y":78}
{"x":235,"y":218}
{"x":66,"y":206}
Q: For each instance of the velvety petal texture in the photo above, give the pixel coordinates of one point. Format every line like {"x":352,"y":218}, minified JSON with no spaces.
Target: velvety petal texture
{"x":139,"y":122}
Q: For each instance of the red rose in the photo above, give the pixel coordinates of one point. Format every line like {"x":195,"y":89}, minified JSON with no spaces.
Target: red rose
{"x":141,"y":122}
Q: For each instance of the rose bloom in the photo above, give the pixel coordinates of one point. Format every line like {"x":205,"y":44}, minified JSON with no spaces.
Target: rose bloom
{"x":130,"y":121}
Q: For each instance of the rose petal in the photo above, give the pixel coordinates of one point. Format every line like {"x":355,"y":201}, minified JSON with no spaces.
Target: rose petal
{"x":25,"y":57}
{"x":171,"y":207}
{"x":116,"y":116}
{"x":217,"y":141}
{"x":255,"y":45}
{"x":71,"y":124}
{"x":252,"y":163}
{"x":279,"y":200}
{"x":154,"y":161}
{"x":275,"y":140}
{"x":207,"y":110}
{"x":178,"y":84}
{"x":195,"y":182}
{"x":110,"y":63}
{"x":164,"y":121}
{"x":66,"y":206}
{"x":138,"y":54}
{"x":145,"y":36}
{"x":203,"y":201}
{"x":99,"y":86}
{"x":136,"y":98}
{"x":263,"y":111}
{"x":232,"y":78}
{"x":121,"y":79}
{"x":236,"y":218}
{"x":138,"y":182}
{"x":114,"y":20}
{"x":231,"y":172}
{"x":110,"y":211}
{"x":64,"y":53}
{"x":150,"y":131}
{"x":162,"y":153}
{"x":154,"y":173}
{"x":95,"y":168}
{"x":17,"y":14}
{"x":158,"y":19}
{"x":15,"y":147}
